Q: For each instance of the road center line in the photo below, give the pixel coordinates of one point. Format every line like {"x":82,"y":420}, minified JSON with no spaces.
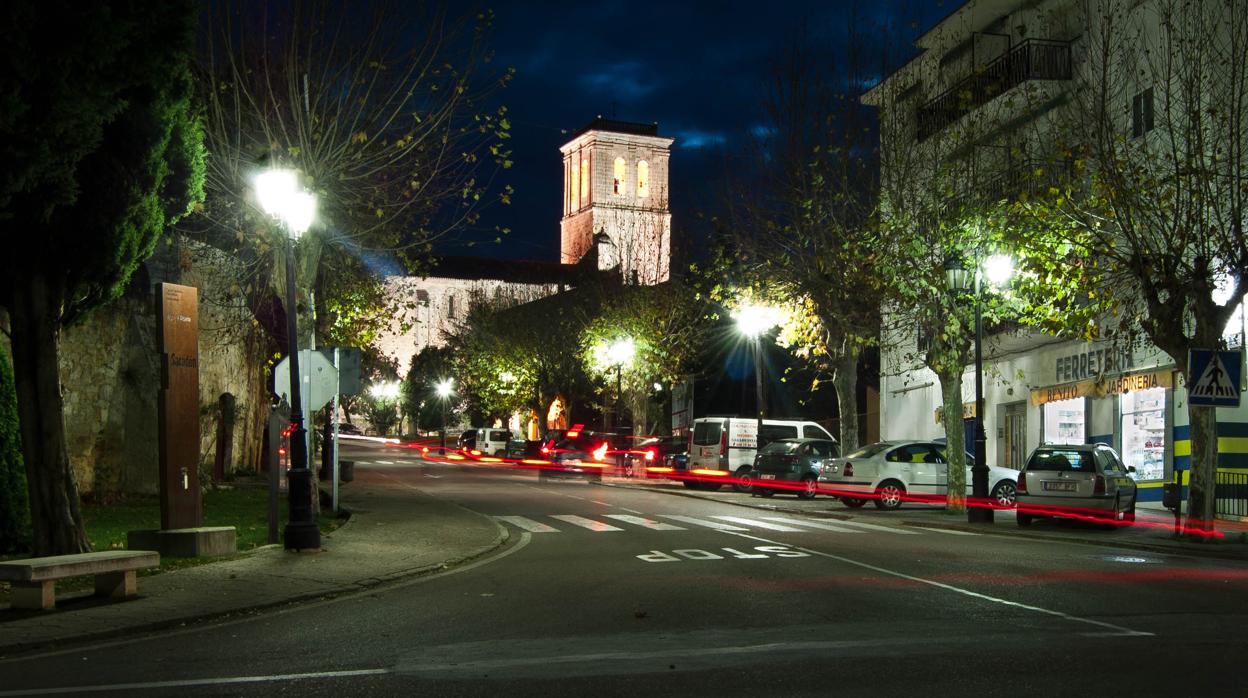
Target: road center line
{"x":223,"y":680}
{"x":1119,"y":631}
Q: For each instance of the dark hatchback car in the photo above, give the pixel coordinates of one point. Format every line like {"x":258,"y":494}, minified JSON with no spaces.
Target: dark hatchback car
{"x":656,"y":456}
{"x":581,"y":453}
{"x":795,"y":462}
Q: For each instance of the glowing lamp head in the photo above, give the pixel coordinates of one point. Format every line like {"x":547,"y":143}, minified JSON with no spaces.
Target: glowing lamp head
{"x":444,"y":388}
{"x":621,"y":351}
{"x":998,"y":269}
{"x":278,"y":193}
{"x":753,"y":320}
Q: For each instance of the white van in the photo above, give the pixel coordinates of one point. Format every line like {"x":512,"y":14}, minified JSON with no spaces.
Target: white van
{"x":489,"y":441}
{"x":725,"y":447}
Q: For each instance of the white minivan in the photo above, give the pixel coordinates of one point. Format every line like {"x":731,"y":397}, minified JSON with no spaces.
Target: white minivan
{"x":489,"y":441}
{"x":724,"y":447}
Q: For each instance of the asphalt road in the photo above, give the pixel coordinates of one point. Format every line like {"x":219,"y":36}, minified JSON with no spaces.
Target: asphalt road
{"x":612,"y":591}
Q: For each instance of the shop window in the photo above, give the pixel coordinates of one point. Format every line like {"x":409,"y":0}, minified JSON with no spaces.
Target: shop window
{"x":621,"y":173}
{"x":643,"y":179}
{"x":1065,"y":421}
{"x":1143,"y":430}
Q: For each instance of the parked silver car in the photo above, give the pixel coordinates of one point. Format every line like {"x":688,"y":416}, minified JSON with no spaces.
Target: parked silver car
{"x":1085,"y":481}
{"x":891,"y":472}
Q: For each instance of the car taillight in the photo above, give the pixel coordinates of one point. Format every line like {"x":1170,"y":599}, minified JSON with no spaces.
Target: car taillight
{"x":723,"y":444}
{"x":1098,"y":486}
{"x":689,"y":443}
{"x":650,"y":453}
{"x":600,"y":453}
{"x":849,"y":469}
{"x":1021,"y":487}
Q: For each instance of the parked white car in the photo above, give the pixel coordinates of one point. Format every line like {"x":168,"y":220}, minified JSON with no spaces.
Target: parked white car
{"x":724,"y":447}
{"x":888,"y":472}
{"x":490,"y":441}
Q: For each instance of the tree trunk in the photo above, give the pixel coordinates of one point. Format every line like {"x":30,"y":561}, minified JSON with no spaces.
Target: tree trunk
{"x":55,"y":516}
{"x":1201,"y":500}
{"x":955,"y":440}
{"x":845,"y":380}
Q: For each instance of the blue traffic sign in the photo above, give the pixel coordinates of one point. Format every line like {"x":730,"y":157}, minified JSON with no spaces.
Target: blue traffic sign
{"x":1215,"y":377}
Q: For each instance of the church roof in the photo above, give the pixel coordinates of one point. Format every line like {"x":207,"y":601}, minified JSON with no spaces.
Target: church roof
{"x":601,"y":124}
{"x":516,"y":271}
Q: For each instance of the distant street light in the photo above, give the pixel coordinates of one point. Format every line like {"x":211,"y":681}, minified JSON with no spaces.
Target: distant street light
{"x":998,"y":269}
{"x":444,"y":392}
{"x":753,"y":321}
{"x":279,"y":195}
{"x":384,"y":391}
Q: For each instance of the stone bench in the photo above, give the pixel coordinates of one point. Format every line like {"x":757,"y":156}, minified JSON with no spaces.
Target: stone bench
{"x":34,"y":580}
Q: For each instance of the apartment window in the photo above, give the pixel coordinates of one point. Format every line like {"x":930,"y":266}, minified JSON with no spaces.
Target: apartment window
{"x":643,"y":179}
{"x":621,"y":172}
{"x":1142,"y":113}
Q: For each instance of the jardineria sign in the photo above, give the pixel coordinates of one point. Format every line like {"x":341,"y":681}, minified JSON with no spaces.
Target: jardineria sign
{"x":1100,"y":387}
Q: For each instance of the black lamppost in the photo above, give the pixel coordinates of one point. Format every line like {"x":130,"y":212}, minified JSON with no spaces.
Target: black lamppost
{"x":620,"y":352}
{"x":444,"y":393}
{"x":998,"y":268}
{"x":280,"y":196}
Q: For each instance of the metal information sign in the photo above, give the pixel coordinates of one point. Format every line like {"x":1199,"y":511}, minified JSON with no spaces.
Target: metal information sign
{"x":177,"y":319}
{"x":1215,"y":377}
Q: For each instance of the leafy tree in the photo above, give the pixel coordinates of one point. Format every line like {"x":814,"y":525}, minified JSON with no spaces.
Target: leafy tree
{"x":383,"y":112}
{"x":802,"y":215}
{"x":14,"y":501}
{"x":419,"y":395}
{"x":103,"y":150}
{"x":666,"y":325}
{"x":1156,"y":226}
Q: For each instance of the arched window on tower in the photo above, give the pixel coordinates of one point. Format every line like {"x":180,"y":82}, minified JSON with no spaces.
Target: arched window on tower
{"x":574,"y":195}
{"x":585,"y":181}
{"x":621,"y":173}
{"x":643,"y":179}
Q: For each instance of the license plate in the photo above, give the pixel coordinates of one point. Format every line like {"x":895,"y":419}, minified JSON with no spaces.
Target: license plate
{"x":766,"y":476}
{"x":1057,"y":486}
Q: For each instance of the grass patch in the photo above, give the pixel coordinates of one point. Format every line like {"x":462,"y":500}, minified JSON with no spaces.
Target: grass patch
{"x":245,"y":507}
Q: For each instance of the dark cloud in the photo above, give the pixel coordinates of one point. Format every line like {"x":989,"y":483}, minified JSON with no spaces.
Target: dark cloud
{"x":696,"y":68}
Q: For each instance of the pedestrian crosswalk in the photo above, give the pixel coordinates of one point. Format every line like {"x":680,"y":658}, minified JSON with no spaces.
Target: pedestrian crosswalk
{"x":607,"y":523}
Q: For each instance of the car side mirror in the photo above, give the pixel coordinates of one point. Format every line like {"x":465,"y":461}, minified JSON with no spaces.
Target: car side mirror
{"x":1130,"y":468}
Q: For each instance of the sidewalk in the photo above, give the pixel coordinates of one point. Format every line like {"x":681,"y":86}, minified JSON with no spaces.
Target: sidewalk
{"x":395,"y":531}
{"x":1153,"y":530}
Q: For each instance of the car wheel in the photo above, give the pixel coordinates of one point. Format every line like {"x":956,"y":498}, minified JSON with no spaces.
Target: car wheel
{"x":595,"y":478}
{"x":853,"y":502}
{"x":1112,"y":523}
{"x":764,"y":492}
{"x":743,"y":479}
{"x":810,"y":487}
{"x":888,"y":495}
{"x":1128,"y":516}
{"x":690,"y":484}
{"x":500,"y":453}
{"x":710,"y":486}
{"x":1005,"y":494}
{"x":1023,"y":519}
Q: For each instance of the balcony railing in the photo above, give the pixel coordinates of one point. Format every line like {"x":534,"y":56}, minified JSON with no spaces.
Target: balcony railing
{"x":1024,"y":176}
{"x":1033,"y":59}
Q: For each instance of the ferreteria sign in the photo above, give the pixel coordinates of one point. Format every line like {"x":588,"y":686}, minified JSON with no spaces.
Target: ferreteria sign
{"x":1101,"y":387}
{"x":1093,"y":363}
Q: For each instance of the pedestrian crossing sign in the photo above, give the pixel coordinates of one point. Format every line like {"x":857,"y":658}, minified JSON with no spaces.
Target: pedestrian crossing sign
{"x":1215,"y":377}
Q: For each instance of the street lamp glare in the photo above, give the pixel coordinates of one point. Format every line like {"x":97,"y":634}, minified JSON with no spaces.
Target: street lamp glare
{"x":279,"y":195}
{"x":384,"y":390}
{"x":444,"y":387}
{"x":621,"y":351}
{"x":998,"y":269}
{"x":753,"y":320}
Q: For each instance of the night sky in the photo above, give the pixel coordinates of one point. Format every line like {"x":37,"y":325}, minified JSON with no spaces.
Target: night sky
{"x":697,"y":68}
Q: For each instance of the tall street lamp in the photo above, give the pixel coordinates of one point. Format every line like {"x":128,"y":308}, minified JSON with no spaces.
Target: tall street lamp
{"x":998,"y":268}
{"x":444,"y":392}
{"x":279,"y":195}
{"x":620,"y":352}
{"x":753,"y":321}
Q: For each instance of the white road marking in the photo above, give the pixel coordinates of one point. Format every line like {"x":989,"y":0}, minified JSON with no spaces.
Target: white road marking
{"x":595,"y":526}
{"x":648,"y":523}
{"x":596,"y":501}
{"x":950,"y":531}
{"x":755,"y":523}
{"x":1118,"y":630}
{"x":385,"y":462}
{"x":631,"y":511}
{"x":703,"y":523}
{"x":527,"y":524}
{"x":882,"y":529}
{"x":224,"y":680}
{"x":822,"y":525}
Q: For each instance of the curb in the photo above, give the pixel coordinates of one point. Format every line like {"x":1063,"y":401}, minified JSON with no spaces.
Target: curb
{"x":501,"y":537}
{"x":1204,"y":551}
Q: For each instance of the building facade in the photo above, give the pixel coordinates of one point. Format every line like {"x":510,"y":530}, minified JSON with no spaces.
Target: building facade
{"x":991,"y":90}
